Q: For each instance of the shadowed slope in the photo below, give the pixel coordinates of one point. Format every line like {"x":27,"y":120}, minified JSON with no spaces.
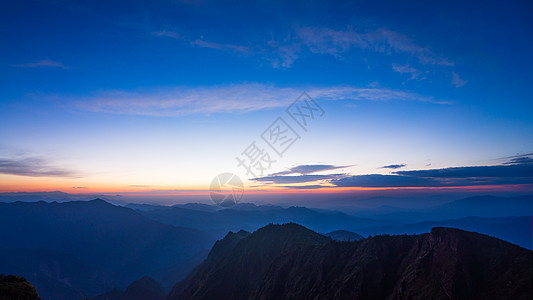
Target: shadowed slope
{"x":292,"y":262}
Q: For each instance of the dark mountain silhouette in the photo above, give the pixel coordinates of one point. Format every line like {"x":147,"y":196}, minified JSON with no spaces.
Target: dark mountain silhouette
{"x":198,"y":206}
{"x":226,"y":244}
{"x":145,"y":288}
{"x":292,"y":262}
{"x":345,"y":236}
{"x":116,"y":242}
{"x":512,"y":229}
{"x":516,"y":230}
{"x":480,"y":206}
{"x":56,"y":196}
{"x":15,"y":287}
{"x":79,"y":249}
{"x":488,"y":206}
{"x":114,"y":294}
{"x":145,"y":207}
{"x":251,"y":217}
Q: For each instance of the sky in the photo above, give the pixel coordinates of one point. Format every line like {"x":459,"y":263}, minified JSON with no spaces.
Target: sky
{"x":294,"y":97}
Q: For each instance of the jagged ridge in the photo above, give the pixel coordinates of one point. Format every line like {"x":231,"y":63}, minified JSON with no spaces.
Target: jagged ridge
{"x":292,"y":262}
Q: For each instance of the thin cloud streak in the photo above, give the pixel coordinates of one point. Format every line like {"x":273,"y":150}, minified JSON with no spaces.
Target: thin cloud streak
{"x":42,"y":63}
{"x":308,"y":169}
{"x":212,"y":45}
{"x":457,"y":81}
{"x":33,"y":167}
{"x":287,"y":179}
{"x":282,"y":53}
{"x":395,"y":166}
{"x":170,"y":34}
{"x":513,"y":174}
{"x":335,"y":42}
{"x":406,"y":69}
{"x":241,"y":98}
{"x":446,"y":177}
{"x":513,"y":171}
{"x":520,"y":160}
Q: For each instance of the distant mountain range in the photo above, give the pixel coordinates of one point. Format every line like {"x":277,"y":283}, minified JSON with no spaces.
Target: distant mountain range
{"x":57,"y":196}
{"x":80,"y":249}
{"x":292,"y":262}
{"x":253,"y":217}
{"x":479,"y":206}
{"x":399,"y":209}
{"x":344,"y":236}
{"x":145,"y":288}
{"x":83,"y":248}
{"x":517,"y":230}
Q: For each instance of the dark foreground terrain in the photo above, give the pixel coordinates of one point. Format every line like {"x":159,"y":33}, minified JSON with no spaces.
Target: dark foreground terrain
{"x":291,"y":262}
{"x":16,"y":288}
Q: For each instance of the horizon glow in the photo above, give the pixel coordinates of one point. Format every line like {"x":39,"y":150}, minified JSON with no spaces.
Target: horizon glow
{"x":97,"y":99}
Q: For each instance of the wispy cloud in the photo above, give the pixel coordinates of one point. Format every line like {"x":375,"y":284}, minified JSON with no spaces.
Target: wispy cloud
{"x":308,"y":169}
{"x":41,"y":64}
{"x":380,"y":181}
{"x":288,"y":179}
{"x":305,"y":187}
{"x":406,"y":69}
{"x":229,"y":99}
{"x":371,"y":94}
{"x":166,"y":33}
{"x":336,"y":42}
{"x":34,"y":167}
{"x":282,"y":53}
{"x":518,"y":172}
{"x":396,"y":166}
{"x":220,"y":46}
{"x":445,"y":177}
{"x":520,"y":160}
{"x":301,"y":174}
{"x":515,"y":170}
{"x":457,"y":81}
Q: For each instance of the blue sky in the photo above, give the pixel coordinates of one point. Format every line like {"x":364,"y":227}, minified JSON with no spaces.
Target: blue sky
{"x":119,"y":95}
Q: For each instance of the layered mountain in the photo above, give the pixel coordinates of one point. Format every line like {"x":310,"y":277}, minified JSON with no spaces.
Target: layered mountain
{"x":56,"y":196}
{"x":251,"y":217}
{"x":517,"y":230}
{"x":292,"y":262}
{"x":84,"y":248}
{"x":481,"y":206}
{"x":142,"y":289}
{"x":57,"y":275}
{"x":344,"y":235}
{"x":487,"y":206}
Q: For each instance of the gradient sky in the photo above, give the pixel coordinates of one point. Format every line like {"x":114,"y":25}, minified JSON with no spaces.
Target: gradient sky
{"x":161,"y":96}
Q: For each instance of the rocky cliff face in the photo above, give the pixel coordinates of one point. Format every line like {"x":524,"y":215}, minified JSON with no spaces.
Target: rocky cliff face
{"x":291,"y":262}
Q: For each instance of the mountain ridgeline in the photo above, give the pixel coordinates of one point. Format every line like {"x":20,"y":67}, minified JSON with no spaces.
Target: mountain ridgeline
{"x":142,"y":289}
{"x":292,"y":262}
{"x":81,"y":249}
